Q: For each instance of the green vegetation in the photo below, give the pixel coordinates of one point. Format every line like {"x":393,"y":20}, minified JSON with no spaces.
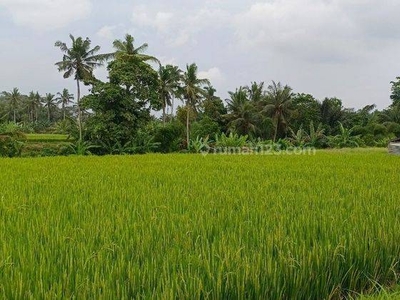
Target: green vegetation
{"x":135,"y":112}
{"x":47,"y":137}
{"x":187,"y":226}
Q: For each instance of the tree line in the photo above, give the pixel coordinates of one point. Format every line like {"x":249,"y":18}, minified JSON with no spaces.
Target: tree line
{"x":117,"y":115}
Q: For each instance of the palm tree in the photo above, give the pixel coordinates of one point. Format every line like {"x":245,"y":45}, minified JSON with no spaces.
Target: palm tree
{"x":37,"y":104}
{"x":169,"y":77}
{"x":34,"y":102}
{"x":242,"y":112}
{"x":13,"y":98}
{"x":256,"y":92}
{"x":278,"y":107}
{"x":80,"y":61}
{"x":191,"y":91}
{"x":50,"y":102}
{"x":210,"y":93}
{"x":126,"y":47}
{"x":64,"y":99}
{"x":31,"y":106}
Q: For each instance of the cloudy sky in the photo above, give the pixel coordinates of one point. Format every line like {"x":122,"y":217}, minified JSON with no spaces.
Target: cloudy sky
{"x":344,"y":48}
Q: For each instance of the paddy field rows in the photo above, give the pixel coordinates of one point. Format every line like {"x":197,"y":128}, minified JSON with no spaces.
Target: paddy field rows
{"x":186,"y":226}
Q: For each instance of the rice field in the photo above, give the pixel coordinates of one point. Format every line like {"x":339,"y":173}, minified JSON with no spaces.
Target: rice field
{"x":322,"y":226}
{"x":37,"y":137}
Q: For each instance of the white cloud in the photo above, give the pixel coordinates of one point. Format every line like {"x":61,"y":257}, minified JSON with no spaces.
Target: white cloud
{"x":179,"y":27}
{"x":159,"y":20}
{"x":47,"y":14}
{"x":107,"y":32}
{"x":309,"y":29}
{"x":167,"y":60}
{"x":214,"y":75}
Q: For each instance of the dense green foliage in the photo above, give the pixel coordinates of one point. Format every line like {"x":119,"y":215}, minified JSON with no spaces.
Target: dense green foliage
{"x":135,"y":111}
{"x":187,"y":226}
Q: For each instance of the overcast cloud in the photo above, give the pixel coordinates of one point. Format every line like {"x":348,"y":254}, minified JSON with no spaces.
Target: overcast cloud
{"x":343,"y":48}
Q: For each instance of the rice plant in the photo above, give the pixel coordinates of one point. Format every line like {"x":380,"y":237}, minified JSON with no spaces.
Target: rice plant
{"x":194,"y":227}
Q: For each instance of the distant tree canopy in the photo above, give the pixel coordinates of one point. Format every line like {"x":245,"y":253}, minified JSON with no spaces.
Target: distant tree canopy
{"x":145,"y":106}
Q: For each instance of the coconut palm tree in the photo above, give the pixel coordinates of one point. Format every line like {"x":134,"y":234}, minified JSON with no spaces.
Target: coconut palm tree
{"x":256,"y":93}
{"x":126,"y":47}
{"x":279,"y":106}
{"x":34,"y":103}
{"x":79,"y":61}
{"x":13,"y":98}
{"x":192,"y":91}
{"x":64,"y":98}
{"x":50,"y":102}
{"x":169,"y":77}
{"x":31,"y":106}
{"x":242,"y":115}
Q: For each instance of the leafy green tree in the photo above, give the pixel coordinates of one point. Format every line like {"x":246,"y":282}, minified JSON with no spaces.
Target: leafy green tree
{"x":192,"y":91}
{"x":213,"y":107}
{"x":170,"y":137}
{"x":169,"y":77}
{"x":64,"y":98}
{"x":121,"y":107}
{"x":306,"y":110}
{"x":204,"y":128}
{"x":395,"y":95}
{"x":79,"y":61}
{"x":13,"y":98}
{"x":242,"y":114}
{"x":279,"y":106}
{"x":331,"y":114}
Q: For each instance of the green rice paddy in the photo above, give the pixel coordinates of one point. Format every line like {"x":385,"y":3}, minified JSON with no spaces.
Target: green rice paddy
{"x":322,"y":226}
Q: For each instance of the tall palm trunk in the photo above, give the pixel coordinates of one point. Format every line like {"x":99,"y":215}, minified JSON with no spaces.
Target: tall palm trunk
{"x":172,"y":106}
{"x":79,"y":110}
{"x":277,"y":117}
{"x":187,"y":124}
{"x":276,"y":132}
{"x":63,"y":109}
{"x":15,"y":116}
{"x":48,"y":113}
{"x":164,"y":114}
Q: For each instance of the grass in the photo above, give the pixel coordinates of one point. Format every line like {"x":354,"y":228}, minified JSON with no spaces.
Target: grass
{"x":383,"y":294}
{"x":187,"y":226}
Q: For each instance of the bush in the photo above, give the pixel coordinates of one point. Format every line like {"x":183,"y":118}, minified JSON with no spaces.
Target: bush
{"x":11,"y":144}
{"x":170,"y":137}
{"x":205,"y":128}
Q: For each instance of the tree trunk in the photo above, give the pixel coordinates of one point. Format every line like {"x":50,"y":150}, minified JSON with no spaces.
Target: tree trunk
{"x":276,"y":129}
{"x":15,"y":116}
{"x":276,"y":132}
{"x":63,"y":108}
{"x":48,"y":114}
{"x":164,"y":114}
{"x":172,"y":107}
{"x":79,"y":110}
{"x":187,"y":124}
